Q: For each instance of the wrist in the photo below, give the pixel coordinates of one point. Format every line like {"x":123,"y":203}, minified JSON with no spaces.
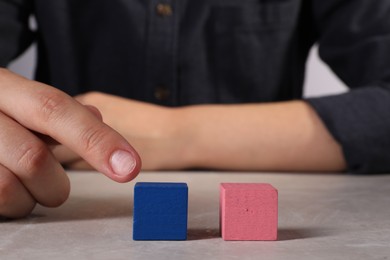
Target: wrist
{"x":193,"y":133}
{"x":179,"y":138}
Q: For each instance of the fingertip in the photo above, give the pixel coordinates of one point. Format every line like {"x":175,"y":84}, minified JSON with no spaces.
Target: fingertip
{"x":125,"y":165}
{"x":62,"y":188}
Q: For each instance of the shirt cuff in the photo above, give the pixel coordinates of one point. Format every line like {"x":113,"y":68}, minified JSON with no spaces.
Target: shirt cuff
{"x":360,"y":121}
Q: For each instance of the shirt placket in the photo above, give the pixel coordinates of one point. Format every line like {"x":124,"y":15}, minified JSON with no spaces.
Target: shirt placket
{"x":161,"y":51}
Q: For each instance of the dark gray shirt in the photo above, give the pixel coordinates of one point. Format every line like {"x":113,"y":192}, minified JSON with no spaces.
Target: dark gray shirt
{"x":181,"y":52}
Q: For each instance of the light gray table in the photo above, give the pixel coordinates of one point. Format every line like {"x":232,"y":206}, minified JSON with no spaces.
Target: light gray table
{"x":321,"y":216}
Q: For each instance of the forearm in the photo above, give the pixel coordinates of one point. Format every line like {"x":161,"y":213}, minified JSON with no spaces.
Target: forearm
{"x":285,"y":136}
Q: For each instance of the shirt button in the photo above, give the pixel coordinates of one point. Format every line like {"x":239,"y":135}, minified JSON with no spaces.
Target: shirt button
{"x":161,"y":93}
{"x":164,"y":10}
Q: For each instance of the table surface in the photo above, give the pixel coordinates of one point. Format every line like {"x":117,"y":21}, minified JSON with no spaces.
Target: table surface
{"x":321,"y":216}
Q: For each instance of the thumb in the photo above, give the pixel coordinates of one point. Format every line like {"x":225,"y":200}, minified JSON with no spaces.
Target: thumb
{"x":95,"y":111}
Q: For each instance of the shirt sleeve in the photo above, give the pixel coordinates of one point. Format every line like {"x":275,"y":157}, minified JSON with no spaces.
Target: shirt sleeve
{"x":354,"y":40}
{"x":15,"y":35}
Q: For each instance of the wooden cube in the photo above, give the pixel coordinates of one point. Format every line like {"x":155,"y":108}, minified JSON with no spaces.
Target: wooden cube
{"x":248,"y":211}
{"x":160,"y":211}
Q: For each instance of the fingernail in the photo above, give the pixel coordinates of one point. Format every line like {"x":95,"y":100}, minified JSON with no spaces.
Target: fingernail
{"x":122,"y":162}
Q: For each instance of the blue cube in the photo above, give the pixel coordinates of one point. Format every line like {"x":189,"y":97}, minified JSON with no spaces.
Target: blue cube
{"x":160,"y":211}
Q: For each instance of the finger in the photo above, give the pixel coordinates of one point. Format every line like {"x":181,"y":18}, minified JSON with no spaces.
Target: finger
{"x":50,"y":141}
{"x":80,"y":165}
{"x":95,"y":111}
{"x":46,"y":139}
{"x":15,"y":200}
{"x":66,"y":120}
{"x":30,"y":160}
{"x":69,"y":159}
{"x":64,"y":155}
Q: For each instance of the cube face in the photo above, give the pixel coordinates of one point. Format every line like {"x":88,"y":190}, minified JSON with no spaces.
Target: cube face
{"x":160,"y":211}
{"x":248,"y":211}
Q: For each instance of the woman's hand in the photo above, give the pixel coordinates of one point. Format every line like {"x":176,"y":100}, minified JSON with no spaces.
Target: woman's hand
{"x":151,"y":129}
{"x":30,"y":113}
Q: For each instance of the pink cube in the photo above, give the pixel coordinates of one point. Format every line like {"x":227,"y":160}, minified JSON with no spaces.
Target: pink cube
{"x":248,"y":211}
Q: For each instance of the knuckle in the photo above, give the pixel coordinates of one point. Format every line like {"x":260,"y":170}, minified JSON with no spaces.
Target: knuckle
{"x":32,"y":157}
{"x":51,"y":104}
{"x":92,"y":137}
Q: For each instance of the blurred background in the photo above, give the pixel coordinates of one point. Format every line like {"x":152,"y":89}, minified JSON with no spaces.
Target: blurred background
{"x":319,"y":79}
